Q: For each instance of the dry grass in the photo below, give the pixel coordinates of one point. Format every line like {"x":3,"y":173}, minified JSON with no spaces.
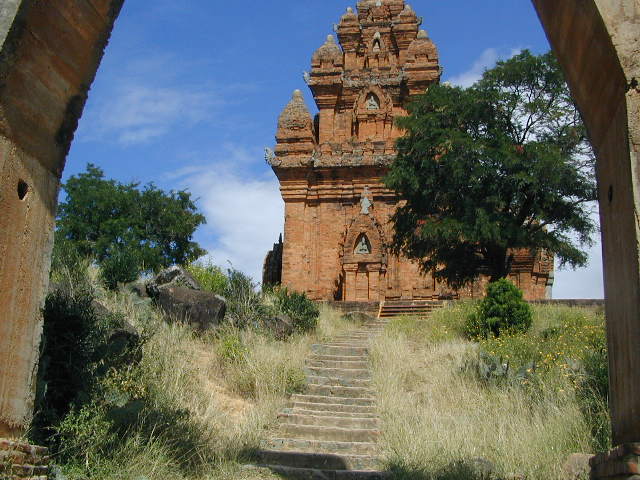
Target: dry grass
{"x":436,"y":418}
{"x":231,"y":402}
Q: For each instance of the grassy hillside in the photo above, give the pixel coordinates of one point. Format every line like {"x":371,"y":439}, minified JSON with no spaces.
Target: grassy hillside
{"x":521,"y":403}
{"x":193,"y":407}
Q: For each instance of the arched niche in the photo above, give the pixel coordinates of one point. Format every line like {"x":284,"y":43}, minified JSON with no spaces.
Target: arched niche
{"x":363,"y":261}
{"x":373,"y":115}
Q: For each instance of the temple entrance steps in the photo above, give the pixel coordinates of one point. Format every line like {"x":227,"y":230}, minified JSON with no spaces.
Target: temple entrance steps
{"x":409,"y":308}
{"x":331,"y":430}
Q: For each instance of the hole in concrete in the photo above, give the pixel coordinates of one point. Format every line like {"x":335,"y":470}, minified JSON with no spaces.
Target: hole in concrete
{"x":23,"y":189}
{"x":610,"y":193}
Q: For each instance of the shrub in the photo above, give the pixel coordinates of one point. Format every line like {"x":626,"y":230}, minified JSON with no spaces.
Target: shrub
{"x":303,"y":312}
{"x":210,"y":277}
{"x":121,"y":266}
{"x":245,"y":307}
{"x":502,"y":311}
{"x":230,"y":347}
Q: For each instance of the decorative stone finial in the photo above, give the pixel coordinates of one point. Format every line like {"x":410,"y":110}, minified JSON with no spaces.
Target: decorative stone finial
{"x":422,"y":34}
{"x":407,"y":8}
{"x":330,"y":39}
{"x":297,"y":95}
{"x":349,"y":10}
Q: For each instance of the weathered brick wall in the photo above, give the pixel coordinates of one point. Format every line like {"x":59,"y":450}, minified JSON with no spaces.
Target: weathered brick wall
{"x":21,"y":461}
{"x":49,"y":53}
{"x":598,"y":45}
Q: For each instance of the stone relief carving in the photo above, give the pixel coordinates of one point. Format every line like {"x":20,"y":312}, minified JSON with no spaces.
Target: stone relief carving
{"x":372,"y":102}
{"x":365,"y":203}
{"x":363,"y":247}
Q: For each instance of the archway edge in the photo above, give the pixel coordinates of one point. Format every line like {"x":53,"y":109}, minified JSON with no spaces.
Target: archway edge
{"x":598,"y":45}
{"x":49,"y":54}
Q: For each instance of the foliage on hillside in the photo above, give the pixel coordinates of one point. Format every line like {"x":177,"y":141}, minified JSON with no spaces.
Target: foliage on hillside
{"x":498,"y":166}
{"x":178,"y":406}
{"x":126,"y":229}
{"x":522,"y":401}
{"x":502,"y":310}
{"x":249,"y":307}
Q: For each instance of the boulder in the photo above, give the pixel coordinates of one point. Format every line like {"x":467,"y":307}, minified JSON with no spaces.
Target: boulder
{"x":172,"y":276}
{"x":123,"y":342}
{"x":281,"y":326}
{"x":202,"y":310}
{"x":358,"y":317}
{"x":139,"y":288}
{"x":577,"y":466}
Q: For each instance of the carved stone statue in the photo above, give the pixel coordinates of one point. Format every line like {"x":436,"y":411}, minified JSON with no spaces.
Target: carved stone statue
{"x":269,"y":155}
{"x":363,"y":246}
{"x":365,"y":203}
{"x":372,"y":103}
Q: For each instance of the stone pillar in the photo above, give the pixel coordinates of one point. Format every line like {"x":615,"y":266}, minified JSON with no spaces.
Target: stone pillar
{"x":350,"y":275}
{"x":598,"y":45}
{"x":49,"y":53}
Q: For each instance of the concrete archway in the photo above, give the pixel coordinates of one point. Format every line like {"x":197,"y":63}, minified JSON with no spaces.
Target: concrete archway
{"x":50,"y":51}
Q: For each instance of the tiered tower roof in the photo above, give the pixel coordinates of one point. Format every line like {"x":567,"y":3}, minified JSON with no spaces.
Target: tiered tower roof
{"x":359,"y":85}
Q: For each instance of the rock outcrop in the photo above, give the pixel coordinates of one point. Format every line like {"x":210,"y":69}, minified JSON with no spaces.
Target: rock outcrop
{"x":180,"y":296}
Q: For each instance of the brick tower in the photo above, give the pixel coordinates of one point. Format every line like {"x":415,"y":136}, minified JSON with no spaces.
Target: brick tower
{"x":330,"y":168}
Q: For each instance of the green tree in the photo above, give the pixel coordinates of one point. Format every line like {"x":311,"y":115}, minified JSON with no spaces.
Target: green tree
{"x":499,"y":166}
{"x":127,"y":229}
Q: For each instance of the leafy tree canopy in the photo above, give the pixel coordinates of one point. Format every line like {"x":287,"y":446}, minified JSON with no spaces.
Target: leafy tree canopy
{"x":502,"y":165}
{"x":127,"y":229}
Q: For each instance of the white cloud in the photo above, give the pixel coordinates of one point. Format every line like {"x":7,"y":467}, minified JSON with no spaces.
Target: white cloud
{"x":137,"y":114}
{"x":244,"y":210}
{"x":151,"y":96}
{"x":487,"y":60}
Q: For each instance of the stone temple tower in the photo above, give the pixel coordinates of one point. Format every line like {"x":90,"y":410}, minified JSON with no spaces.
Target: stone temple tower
{"x":330,"y":167}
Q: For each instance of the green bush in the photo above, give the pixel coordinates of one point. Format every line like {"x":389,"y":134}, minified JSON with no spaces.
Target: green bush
{"x":304,"y":313}
{"x":120,"y":266}
{"x":210,"y":277}
{"x":245,"y":306}
{"x":230,"y":347}
{"x":502,"y":311}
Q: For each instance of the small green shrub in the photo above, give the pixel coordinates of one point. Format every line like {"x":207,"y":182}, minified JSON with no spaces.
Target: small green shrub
{"x":245,"y":307}
{"x":304,"y":313}
{"x":296,"y":380}
{"x":502,"y":311}
{"x":121,"y":266}
{"x":231,"y":348}
{"x":210,"y":277}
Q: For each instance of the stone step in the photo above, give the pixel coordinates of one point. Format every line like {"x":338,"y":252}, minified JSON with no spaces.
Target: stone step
{"x":330,"y":413}
{"x":362,"y":335}
{"x":312,"y":398}
{"x":334,"y":407}
{"x":336,"y":434}
{"x":325,"y":421}
{"x":354,"y":373}
{"x":320,"y":461}
{"x":339,"y":382}
{"x":321,"y":446}
{"x":316,"y":357}
{"x":292,"y":473}
{"x":337,"y":391}
{"x":339,"y":364}
{"x":340,"y":350}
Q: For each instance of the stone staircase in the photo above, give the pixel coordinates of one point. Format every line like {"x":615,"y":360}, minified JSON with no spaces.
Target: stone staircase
{"x":409,"y":308}
{"x":330,"y":432}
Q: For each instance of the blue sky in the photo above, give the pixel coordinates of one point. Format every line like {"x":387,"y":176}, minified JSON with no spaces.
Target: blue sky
{"x":189,"y":92}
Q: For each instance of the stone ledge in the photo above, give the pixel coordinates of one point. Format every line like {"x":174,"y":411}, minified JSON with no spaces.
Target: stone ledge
{"x":621,"y":463}
{"x":21,"y":461}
